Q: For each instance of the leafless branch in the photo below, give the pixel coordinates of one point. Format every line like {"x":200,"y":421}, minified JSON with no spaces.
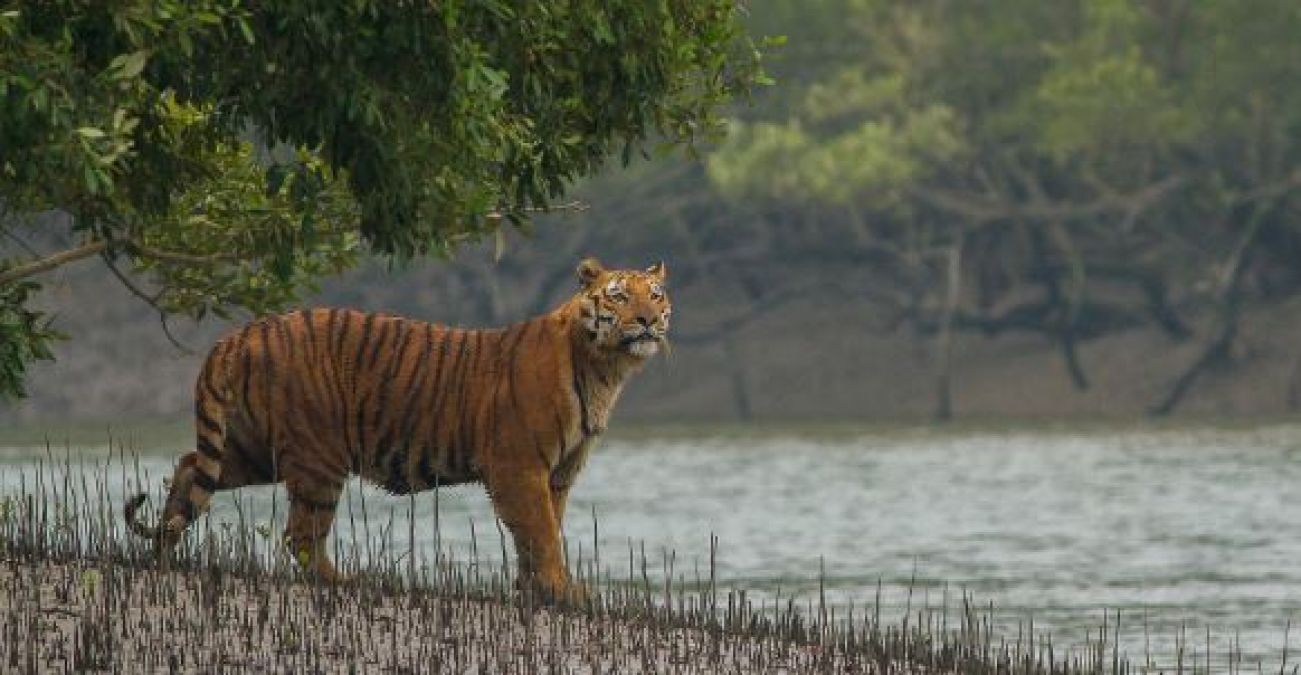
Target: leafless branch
{"x":980,"y":210}
{"x":767,"y":304}
{"x":152,"y":301}
{"x":20,"y":241}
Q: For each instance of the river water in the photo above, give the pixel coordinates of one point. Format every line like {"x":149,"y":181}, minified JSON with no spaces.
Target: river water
{"x":1179,"y":530}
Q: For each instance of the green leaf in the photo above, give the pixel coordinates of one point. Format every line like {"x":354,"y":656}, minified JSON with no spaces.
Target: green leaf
{"x":130,"y":66}
{"x":246,"y":30}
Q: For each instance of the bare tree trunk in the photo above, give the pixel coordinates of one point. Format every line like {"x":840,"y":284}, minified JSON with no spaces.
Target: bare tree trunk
{"x":1294,"y":387}
{"x":1215,"y":351}
{"x":740,"y":383}
{"x":1229,"y":313}
{"x":944,"y":340}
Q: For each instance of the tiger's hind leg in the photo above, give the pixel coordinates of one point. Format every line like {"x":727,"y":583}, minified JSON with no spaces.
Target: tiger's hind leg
{"x":198,"y":473}
{"x":197,"y":476}
{"x":190,"y":487}
{"x":312,"y":506}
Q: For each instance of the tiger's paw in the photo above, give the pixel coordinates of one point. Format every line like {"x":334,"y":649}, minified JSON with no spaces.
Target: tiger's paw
{"x":559,"y":594}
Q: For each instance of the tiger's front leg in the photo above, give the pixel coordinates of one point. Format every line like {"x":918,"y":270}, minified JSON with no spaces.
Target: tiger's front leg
{"x":522,"y":500}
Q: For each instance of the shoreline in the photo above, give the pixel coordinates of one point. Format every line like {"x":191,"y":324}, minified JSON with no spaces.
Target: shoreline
{"x":77,"y":593}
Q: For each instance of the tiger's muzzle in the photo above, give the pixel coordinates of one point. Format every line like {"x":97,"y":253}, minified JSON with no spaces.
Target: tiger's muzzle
{"x":643,"y":342}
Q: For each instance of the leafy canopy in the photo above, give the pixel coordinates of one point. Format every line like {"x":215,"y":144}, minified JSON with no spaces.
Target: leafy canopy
{"x":233,"y":151}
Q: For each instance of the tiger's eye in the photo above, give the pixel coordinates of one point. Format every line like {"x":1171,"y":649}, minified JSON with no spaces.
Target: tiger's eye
{"x":616,"y":292}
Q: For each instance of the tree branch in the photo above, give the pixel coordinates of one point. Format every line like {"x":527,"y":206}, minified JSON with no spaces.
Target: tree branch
{"x":99,"y":246}
{"x":762,"y":307}
{"x":980,"y":210}
{"x":50,"y":262}
{"x":571,"y":207}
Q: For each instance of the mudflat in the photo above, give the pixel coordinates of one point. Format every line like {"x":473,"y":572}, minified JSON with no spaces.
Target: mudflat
{"x":90,"y":615}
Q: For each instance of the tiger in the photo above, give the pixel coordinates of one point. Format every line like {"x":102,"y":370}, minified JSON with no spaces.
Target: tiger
{"x":314,"y":396}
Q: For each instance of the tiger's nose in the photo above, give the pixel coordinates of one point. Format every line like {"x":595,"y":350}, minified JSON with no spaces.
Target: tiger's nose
{"x":644,"y":320}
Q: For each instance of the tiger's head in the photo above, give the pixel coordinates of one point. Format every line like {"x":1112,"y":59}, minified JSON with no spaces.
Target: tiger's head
{"x":624,"y":311}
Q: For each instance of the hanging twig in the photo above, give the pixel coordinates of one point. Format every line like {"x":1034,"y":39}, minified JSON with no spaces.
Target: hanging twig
{"x":152,"y":301}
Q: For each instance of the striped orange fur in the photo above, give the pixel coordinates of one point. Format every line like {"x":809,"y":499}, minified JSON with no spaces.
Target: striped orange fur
{"x":311,"y":397}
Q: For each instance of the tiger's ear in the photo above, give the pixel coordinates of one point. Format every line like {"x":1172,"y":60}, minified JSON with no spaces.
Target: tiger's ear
{"x":589,"y":271}
{"x":659,"y":270}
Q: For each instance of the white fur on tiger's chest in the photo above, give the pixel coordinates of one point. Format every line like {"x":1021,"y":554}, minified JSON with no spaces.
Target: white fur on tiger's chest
{"x":600,"y":403}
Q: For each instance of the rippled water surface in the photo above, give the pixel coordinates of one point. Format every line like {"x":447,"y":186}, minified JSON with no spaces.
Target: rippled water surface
{"x":1199,"y":529}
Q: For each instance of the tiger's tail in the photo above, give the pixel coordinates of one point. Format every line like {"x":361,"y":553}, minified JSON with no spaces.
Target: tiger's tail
{"x":198,"y":473}
{"x":135,"y":526}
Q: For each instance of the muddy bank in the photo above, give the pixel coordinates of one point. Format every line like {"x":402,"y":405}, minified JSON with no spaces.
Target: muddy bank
{"x":105,"y":616}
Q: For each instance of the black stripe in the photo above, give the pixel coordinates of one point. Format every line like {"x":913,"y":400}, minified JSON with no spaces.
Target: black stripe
{"x":444,"y":391}
{"x":436,"y":379}
{"x":268,"y":373}
{"x":406,"y":427}
{"x":383,"y":418}
{"x":247,"y":369}
{"x":316,"y":386}
{"x":379,"y":385}
{"x":310,"y":328}
{"x":207,"y":449}
{"x":489,"y":424}
{"x":205,"y":421}
{"x":340,"y":383}
{"x":435,"y":375}
{"x":394,"y":367}
{"x":465,"y":430}
{"x":205,"y":482}
{"x":380,"y":342}
{"x":206,"y":378}
{"x":336,"y":333}
{"x":361,"y":342}
{"x":582,"y":403}
{"x":360,"y":423}
{"x":188,"y":510}
{"x":358,"y":369}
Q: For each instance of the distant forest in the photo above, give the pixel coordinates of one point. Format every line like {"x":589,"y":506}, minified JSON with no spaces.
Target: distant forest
{"x":939,"y":209}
